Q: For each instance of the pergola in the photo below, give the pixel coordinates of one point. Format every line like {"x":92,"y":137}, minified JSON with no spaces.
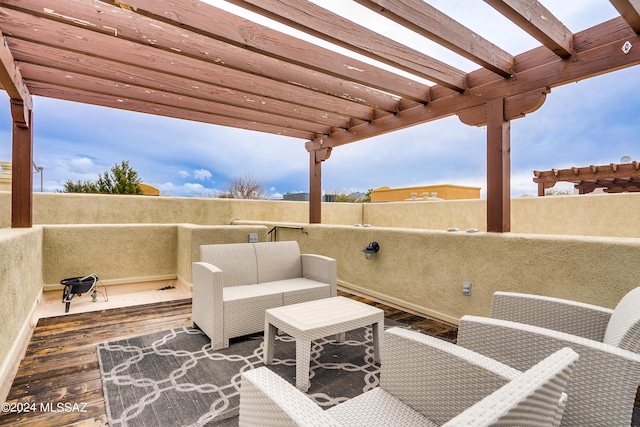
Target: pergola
{"x":612,"y":178}
{"x":190,"y":60}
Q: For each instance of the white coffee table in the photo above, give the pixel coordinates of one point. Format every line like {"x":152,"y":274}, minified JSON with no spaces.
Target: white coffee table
{"x":317,"y":319}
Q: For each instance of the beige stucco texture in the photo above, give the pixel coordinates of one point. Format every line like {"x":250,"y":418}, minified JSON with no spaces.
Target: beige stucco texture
{"x":584,"y":248}
{"x":20,"y":289}
{"x":424,"y":270}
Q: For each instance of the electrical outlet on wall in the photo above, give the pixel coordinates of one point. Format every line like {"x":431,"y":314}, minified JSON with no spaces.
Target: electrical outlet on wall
{"x":253,"y":237}
{"x":466,"y":288}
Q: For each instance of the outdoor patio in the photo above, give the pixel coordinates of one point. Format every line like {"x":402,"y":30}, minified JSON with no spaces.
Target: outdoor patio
{"x":419,"y":270}
{"x":238,"y":73}
{"x":61,"y":363}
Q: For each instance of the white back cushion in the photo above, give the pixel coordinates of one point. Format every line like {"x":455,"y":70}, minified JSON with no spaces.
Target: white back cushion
{"x":236,"y":260}
{"x":278,"y":261}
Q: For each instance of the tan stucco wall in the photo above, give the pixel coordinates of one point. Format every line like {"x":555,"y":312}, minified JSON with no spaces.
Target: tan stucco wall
{"x":438,"y":215}
{"x":613,"y":215}
{"x":423,"y":270}
{"x":20,"y":289}
{"x":130,"y":253}
{"x":586,"y":215}
{"x":58,"y":208}
{"x":589,"y":215}
{"x":5,"y":176}
{"x":123,"y":253}
{"x":420,"y":266}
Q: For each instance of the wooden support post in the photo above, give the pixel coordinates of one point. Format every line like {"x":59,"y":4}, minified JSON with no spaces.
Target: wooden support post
{"x":315,"y":189}
{"x":22,"y":166}
{"x":315,"y":183}
{"x":498,"y":168}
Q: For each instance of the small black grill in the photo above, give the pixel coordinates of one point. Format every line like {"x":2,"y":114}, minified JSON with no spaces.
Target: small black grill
{"x":76,"y":286}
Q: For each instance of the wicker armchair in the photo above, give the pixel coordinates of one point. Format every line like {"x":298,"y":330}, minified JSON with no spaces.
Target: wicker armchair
{"x":523,"y":328}
{"x":424,"y":382}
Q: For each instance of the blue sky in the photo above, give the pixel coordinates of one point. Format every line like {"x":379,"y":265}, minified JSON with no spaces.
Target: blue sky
{"x":594,"y":121}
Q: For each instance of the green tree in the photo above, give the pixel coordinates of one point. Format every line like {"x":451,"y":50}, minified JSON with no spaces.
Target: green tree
{"x":79,"y":187}
{"x":121,"y":180}
{"x":367,"y":196}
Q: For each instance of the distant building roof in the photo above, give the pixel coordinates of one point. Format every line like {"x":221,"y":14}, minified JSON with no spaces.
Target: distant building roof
{"x":425,"y":192}
{"x":149,"y":190}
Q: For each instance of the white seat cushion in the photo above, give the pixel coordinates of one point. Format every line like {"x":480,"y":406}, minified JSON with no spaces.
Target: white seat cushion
{"x":233,"y":293}
{"x":300,"y":290}
{"x":244,"y":308}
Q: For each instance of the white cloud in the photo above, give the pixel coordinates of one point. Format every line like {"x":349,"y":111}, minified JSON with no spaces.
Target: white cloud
{"x":189,"y":189}
{"x":194,"y":188}
{"x":183,"y":174}
{"x":202,"y":174}
{"x":82,"y":165}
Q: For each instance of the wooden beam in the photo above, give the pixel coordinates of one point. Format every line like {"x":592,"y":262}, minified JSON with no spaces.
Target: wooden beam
{"x":326,"y":25}
{"x":22,"y":169}
{"x":162,"y":98}
{"x":115,"y":24}
{"x":218,"y":24}
{"x":598,"y":52}
{"x":11,"y":81}
{"x":202,"y":30}
{"x":106,"y":100}
{"x":630,"y":11}
{"x":498,"y":168}
{"x":588,"y":173}
{"x":539,"y":22}
{"x":515,"y":107}
{"x":197,"y":79}
{"x":424,"y":19}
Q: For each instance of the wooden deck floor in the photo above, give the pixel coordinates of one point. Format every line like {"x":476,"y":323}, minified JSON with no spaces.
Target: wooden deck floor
{"x":61,"y":362}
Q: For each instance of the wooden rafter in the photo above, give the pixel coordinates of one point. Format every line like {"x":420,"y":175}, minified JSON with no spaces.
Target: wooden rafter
{"x":326,"y":25}
{"x":433,"y":24}
{"x":157,"y":53}
{"x":215,"y":84}
{"x":38,"y":32}
{"x":598,"y":51}
{"x":114,"y":26}
{"x":11,"y":80}
{"x":541,"y":24}
{"x":630,"y":12}
{"x":216,"y":24}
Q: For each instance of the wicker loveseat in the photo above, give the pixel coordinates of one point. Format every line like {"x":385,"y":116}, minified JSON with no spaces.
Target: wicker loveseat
{"x":233,"y":284}
{"x":424,"y":381}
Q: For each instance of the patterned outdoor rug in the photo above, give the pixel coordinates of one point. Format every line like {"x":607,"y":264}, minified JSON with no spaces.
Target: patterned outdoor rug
{"x":173,"y":378}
